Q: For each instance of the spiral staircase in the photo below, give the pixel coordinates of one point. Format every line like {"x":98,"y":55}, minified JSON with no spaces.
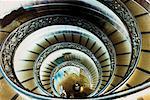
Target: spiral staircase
{"x":75,"y":49}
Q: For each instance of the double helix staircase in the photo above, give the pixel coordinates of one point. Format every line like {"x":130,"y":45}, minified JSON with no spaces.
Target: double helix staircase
{"x":61,"y":49}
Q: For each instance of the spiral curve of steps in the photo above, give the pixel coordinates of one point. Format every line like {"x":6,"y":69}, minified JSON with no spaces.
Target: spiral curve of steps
{"x":75,"y":49}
